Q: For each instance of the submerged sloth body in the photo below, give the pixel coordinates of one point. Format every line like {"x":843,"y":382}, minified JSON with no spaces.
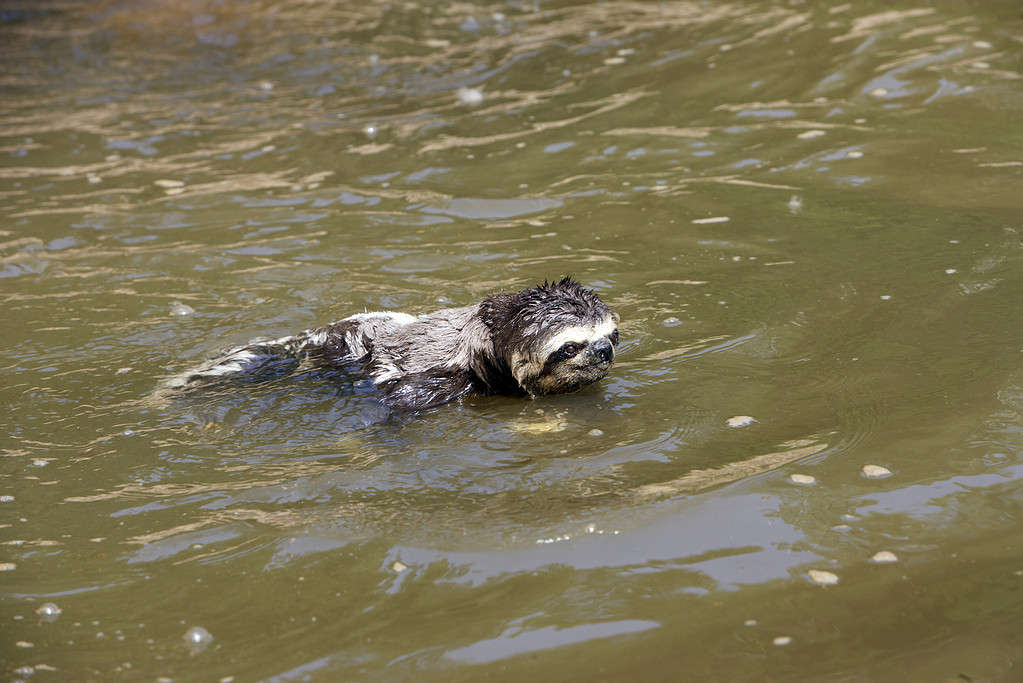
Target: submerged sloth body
{"x":550,"y":339}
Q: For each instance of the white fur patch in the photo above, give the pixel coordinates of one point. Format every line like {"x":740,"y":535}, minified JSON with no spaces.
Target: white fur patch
{"x":403,"y":318}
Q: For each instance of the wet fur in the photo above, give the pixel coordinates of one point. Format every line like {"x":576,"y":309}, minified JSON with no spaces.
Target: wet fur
{"x":510,"y":343}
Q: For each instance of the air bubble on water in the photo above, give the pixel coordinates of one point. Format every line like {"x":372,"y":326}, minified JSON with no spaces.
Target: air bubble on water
{"x":178,"y":308}
{"x":671,"y":321}
{"x":876,"y":472}
{"x":822,"y":578}
{"x":884,"y":557}
{"x":370,"y":131}
{"x":197,"y":638}
{"x":49,"y":611}
{"x":782,"y":641}
{"x":595,"y":432}
{"x":470,"y":96}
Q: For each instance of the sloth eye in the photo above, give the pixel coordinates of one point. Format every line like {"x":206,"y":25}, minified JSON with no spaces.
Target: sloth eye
{"x":570,"y":349}
{"x":614,"y":338}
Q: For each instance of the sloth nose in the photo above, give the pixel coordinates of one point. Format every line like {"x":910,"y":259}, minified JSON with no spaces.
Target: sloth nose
{"x":603,"y":350}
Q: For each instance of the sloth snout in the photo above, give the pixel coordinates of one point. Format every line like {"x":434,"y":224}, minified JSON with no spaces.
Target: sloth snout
{"x":603,"y":350}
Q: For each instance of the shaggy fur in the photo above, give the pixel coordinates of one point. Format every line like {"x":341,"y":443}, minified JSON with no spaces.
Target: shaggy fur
{"x":553,"y":338}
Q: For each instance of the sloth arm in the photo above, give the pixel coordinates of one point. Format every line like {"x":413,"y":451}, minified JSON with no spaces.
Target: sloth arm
{"x":423,"y":390}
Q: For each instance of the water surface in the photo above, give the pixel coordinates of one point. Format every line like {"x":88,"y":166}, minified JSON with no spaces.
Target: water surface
{"x":808,"y":214}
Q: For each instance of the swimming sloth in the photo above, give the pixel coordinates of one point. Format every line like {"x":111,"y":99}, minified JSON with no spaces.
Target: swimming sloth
{"x":550,"y":339}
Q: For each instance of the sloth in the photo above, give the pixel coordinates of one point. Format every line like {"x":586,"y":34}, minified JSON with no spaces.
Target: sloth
{"x":554,"y":338}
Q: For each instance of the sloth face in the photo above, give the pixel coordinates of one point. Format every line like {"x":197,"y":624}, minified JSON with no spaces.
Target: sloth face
{"x":554,"y":338}
{"x":572,"y":358}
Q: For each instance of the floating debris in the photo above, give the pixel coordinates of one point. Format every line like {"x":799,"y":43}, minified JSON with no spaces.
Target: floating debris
{"x":886,"y":297}
{"x":6,"y":499}
{"x":951,"y":271}
{"x":750,"y":622}
{"x":803,"y":479}
{"x":740,"y":421}
{"x":166,"y":183}
{"x":398,"y":567}
{"x":713,"y":219}
{"x":855,"y":154}
{"x":879,"y":92}
{"x":24,"y":644}
{"x":370,"y":131}
{"x":178,"y":308}
{"x":470,"y":96}
{"x":671,"y":322}
{"x":197,"y":638}
{"x":795,"y":203}
{"x":49,"y":611}
{"x":7,"y":566}
{"x":884,"y":557}
{"x":782,"y":641}
{"x":822,"y":578}
{"x":266,"y":86}
{"x":595,"y":432}
{"x":810,"y":134}
{"x":876,"y":472}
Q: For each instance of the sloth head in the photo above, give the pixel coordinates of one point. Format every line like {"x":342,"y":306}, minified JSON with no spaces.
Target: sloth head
{"x":554,"y":338}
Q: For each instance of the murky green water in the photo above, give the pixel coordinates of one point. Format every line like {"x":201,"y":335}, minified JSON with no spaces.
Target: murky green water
{"x":264,"y":167}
